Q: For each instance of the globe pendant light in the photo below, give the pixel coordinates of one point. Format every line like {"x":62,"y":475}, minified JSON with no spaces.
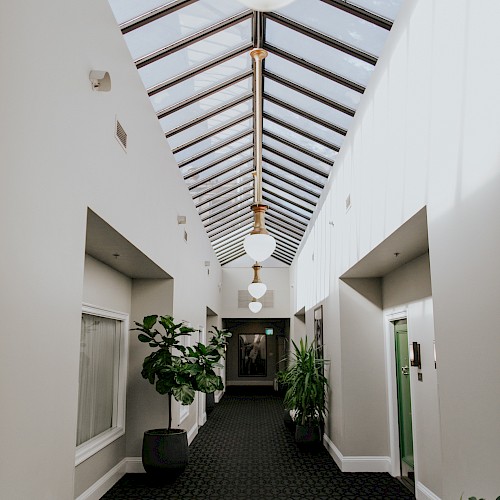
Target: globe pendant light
{"x":255,"y":306}
{"x":265,"y":5}
{"x":256,"y":288}
{"x":259,"y":244}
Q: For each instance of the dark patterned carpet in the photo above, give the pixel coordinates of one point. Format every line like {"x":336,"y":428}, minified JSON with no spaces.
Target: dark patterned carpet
{"x":245,"y":452}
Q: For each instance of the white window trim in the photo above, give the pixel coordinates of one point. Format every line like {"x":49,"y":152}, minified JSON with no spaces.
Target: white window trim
{"x":97,"y":443}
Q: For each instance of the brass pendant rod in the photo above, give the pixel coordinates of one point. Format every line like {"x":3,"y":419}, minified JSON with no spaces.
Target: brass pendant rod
{"x":258,"y":55}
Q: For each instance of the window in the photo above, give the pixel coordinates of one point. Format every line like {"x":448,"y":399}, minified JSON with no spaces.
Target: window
{"x":102,"y":380}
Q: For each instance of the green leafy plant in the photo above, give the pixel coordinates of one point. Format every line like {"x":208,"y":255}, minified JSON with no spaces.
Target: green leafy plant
{"x":306,"y":384}
{"x":475,"y":498}
{"x":175,"y":370}
{"x":205,"y":359}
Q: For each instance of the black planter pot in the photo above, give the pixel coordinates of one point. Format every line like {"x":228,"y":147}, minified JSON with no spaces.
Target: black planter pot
{"x":308,"y":436}
{"x":210,"y":402}
{"x":165,"y":453}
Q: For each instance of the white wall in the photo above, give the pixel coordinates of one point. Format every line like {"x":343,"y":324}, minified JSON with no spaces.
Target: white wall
{"x":426,"y":135}
{"x":108,"y":289}
{"x":58,"y":157}
{"x":277,"y":279}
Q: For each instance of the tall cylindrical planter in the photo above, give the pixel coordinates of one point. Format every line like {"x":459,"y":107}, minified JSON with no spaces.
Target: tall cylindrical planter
{"x":165,"y":453}
{"x":308,"y":436}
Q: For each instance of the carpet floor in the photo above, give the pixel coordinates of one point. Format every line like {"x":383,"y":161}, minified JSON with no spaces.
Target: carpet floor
{"x":245,"y":452}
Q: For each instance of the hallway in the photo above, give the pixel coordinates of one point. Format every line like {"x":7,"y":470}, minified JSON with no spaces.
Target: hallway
{"x":245,"y":452}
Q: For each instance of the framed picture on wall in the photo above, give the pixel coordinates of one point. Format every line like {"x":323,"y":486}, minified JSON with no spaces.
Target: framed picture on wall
{"x":252,"y":360}
{"x":318,"y":329}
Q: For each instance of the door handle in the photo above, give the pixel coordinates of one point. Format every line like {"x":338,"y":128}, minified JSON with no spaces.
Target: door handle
{"x":405,"y":370}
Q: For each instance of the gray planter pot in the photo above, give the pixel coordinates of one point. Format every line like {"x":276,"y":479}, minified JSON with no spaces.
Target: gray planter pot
{"x":165,"y":453}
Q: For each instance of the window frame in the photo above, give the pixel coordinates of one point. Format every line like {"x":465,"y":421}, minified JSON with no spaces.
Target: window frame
{"x":99,"y":442}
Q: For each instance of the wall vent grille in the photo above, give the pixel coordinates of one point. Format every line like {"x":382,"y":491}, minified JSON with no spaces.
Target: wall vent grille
{"x":121,"y":135}
{"x":244,"y":298}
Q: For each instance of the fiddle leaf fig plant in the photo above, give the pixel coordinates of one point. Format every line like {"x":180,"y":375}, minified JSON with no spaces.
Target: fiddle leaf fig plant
{"x":175,"y":370}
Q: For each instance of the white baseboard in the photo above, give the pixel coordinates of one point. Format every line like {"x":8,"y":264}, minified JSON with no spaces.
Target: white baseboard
{"x":134,"y":465}
{"x":100,"y":487}
{"x":424,"y":493}
{"x":127,"y":465}
{"x":192,"y":433}
{"x":356,"y":464}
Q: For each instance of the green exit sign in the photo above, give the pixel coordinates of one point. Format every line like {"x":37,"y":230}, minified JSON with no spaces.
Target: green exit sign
{"x":269,"y":331}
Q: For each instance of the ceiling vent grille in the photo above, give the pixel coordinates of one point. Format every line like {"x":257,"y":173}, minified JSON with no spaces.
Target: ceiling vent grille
{"x":121,"y":135}
{"x":244,"y":298}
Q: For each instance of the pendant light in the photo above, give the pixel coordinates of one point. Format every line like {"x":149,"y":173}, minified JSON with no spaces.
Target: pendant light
{"x":256,"y":288}
{"x":259,"y":244}
{"x":265,"y":5}
{"x":255,"y":306}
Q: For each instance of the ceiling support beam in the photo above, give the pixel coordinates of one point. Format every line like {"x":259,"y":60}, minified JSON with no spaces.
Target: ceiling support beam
{"x":361,"y":13}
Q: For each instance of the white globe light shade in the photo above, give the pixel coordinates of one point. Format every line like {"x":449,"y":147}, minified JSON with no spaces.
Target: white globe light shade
{"x":265,"y":5}
{"x":257,"y":290}
{"x":255,"y":307}
{"x":259,"y":246}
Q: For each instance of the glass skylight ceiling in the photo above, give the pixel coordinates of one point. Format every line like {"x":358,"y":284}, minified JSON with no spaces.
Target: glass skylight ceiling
{"x":193,"y":58}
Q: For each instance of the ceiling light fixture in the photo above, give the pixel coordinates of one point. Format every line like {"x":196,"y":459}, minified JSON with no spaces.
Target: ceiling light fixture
{"x":255,"y":306}
{"x":256,"y":288}
{"x":265,"y":5}
{"x":259,"y":244}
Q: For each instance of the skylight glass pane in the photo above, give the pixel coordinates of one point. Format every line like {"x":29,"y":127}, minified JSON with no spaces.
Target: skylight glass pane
{"x":199,"y":83}
{"x":228,"y":238}
{"x":385,"y":8}
{"x":267,"y":180}
{"x":204,"y":106}
{"x":272,"y":199}
{"x":229,"y":210}
{"x":300,"y":140}
{"x":225,"y":224}
{"x":307,"y":104}
{"x":235,"y":203}
{"x":337,"y":24}
{"x":212,"y":123}
{"x":214,"y":140}
{"x":279,"y":211}
{"x":292,"y":167}
{"x":179,"y":24}
{"x":318,"y":53}
{"x":125,"y":10}
{"x":196,"y":54}
{"x":312,"y":81}
{"x":238,"y":186}
{"x":220,"y":179}
{"x":221,"y":167}
{"x":298,"y":155}
{"x":217,"y":154}
{"x":303,"y":123}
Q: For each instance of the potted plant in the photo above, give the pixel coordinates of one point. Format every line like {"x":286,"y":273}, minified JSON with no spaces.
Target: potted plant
{"x":176,"y":371}
{"x":215,"y":350}
{"x":306,"y":388}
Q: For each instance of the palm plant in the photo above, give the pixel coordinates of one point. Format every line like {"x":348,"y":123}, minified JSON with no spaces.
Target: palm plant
{"x":306,"y":384}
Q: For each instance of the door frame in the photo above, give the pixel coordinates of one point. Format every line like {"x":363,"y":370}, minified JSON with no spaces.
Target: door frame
{"x":392,"y":390}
